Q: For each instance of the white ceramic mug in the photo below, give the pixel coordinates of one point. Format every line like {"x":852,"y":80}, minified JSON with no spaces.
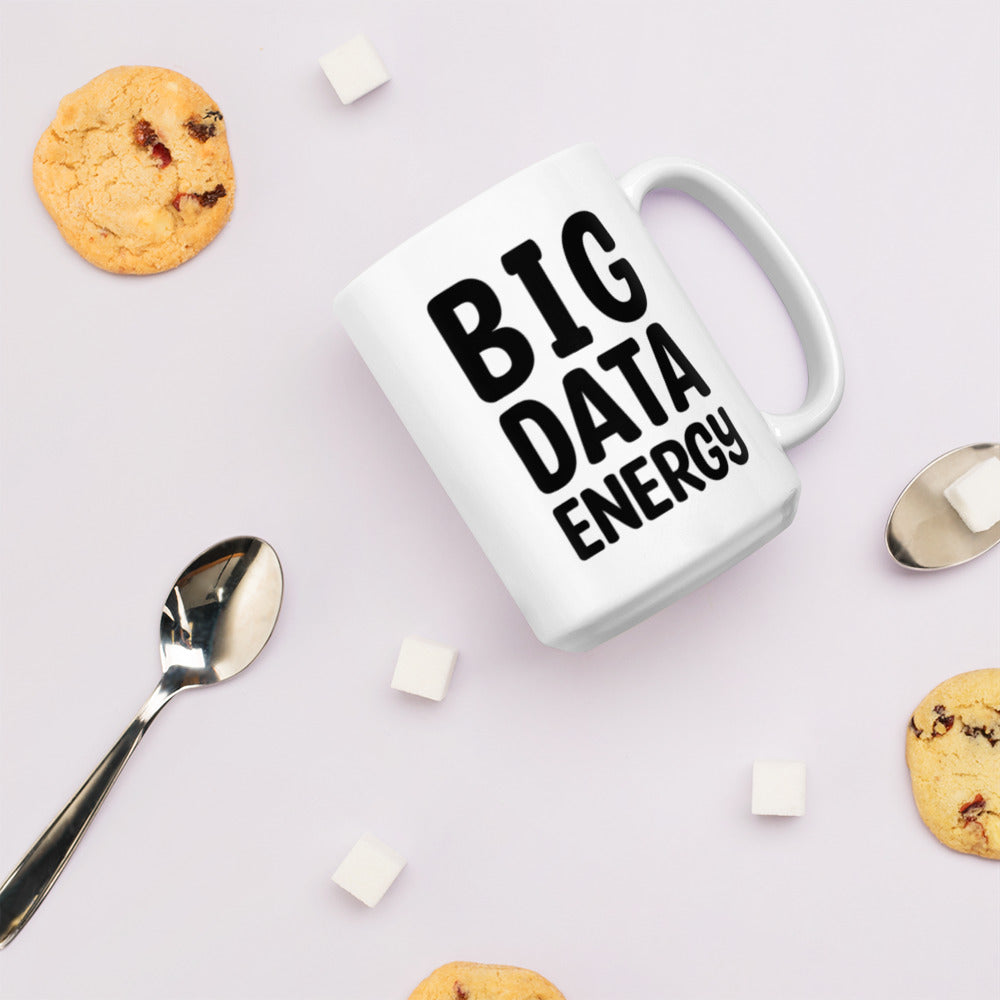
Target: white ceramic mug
{"x":570,"y":401}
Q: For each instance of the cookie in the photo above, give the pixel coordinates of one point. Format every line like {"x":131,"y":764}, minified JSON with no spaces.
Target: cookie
{"x":472,"y":981}
{"x":953,"y":752}
{"x":135,"y":170}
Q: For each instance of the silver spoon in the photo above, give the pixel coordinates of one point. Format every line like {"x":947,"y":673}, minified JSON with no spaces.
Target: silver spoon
{"x":924,"y":530}
{"x":215,"y":621}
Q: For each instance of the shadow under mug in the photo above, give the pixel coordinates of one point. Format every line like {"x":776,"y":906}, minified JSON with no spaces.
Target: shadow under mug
{"x":574,"y":407}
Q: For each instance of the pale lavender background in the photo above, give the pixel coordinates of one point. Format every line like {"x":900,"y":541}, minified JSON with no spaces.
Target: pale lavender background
{"x":584,"y":815}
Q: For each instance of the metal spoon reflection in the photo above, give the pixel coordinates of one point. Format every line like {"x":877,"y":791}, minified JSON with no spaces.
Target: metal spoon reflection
{"x":215,"y":621}
{"x":924,"y":531}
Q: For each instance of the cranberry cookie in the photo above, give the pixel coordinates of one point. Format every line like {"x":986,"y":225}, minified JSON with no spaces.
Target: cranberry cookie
{"x":135,"y":170}
{"x":953,"y":752}
{"x":472,"y":981}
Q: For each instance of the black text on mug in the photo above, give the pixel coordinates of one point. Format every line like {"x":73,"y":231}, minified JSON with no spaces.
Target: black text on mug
{"x":599,"y":400}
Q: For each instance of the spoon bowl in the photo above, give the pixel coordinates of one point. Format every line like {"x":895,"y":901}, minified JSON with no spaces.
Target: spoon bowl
{"x":221,"y":611}
{"x":924,"y":531}
{"x":216,"y":619}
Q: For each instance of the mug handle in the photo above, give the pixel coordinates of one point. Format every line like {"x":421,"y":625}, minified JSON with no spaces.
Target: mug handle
{"x":824,"y":365}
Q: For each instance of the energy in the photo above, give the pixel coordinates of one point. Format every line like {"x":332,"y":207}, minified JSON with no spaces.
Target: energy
{"x":649,"y":486}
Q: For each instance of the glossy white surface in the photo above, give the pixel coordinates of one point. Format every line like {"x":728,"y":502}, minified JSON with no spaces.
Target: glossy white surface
{"x":583,"y":815}
{"x":699,"y":479}
{"x":799,"y":296}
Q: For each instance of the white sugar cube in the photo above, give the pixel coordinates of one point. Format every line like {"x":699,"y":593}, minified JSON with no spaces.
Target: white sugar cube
{"x":354,"y":69}
{"x":779,"y":788}
{"x":424,"y":668}
{"x":976,"y":495}
{"x":369,"y":869}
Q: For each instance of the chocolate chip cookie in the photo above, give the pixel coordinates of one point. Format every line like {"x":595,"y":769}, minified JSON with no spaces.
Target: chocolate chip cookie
{"x":953,"y":752}
{"x":135,"y":170}
{"x":473,"y":981}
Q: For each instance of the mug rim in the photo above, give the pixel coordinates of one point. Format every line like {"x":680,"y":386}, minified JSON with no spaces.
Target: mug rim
{"x":401,"y":248}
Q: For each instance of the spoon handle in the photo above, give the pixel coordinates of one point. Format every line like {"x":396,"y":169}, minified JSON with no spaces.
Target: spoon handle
{"x":31,"y":880}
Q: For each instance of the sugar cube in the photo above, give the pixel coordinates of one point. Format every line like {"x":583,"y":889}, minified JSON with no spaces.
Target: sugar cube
{"x":354,"y":69}
{"x":424,"y":668}
{"x":976,"y":495}
{"x":369,"y":869}
{"x":779,"y":788}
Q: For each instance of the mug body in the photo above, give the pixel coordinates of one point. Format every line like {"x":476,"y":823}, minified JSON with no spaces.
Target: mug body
{"x":569,"y":399}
